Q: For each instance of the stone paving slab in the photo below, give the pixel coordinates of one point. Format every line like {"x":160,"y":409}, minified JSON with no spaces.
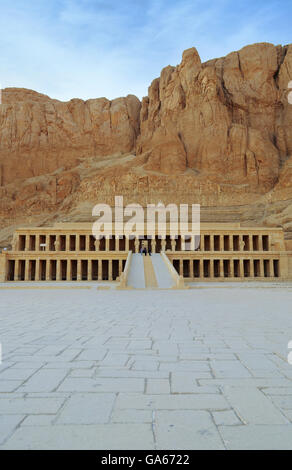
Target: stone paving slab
{"x":257,"y":437}
{"x":38,"y":420}
{"x":253,"y":406}
{"x":10,"y":385}
{"x":8,"y":424}
{"x":226,"y":418}
{"x":83,"y":437}
{"x":30,"y":405}
{"x":44,"y":381}
{"x":102,"y":384}
{"x":199,"y":369}
{"x":186,"y":430}
{"x":89,"y":408}
{"x":132,"y":416}
{"x":16,"y":374}
{"x":172,"y":402}
{"x":278,"y":391}
{"x":187,"y":382}
{"x":157,"y":386}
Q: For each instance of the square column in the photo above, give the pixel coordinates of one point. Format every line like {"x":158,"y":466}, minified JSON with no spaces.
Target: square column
{"x":26,"y":272}
{"x":47,"y":242}
{"x":110,"y":270}
{"x":127,"y":244}
{"x":77,"y":242}
{"x":272,"y":272}
{"x":191,"y":268}
{"x":201,"y":267}
{"x":16,"y":272}
{"x":261,"y":243}
{"x":117,"y":241}
{"x":261,"y":268}
{"x":241,"y":270}
{"x":79,"y":270}
{"x":67,"y":243}
{"x":251,"y":266}
{"x":47,"y":270}
{"x":87,"y":242}
{"x":99,"y":277}
{"x":37,"y":270}
{"x":250,"y":243}
{"x":89,"y":270}
{"x":58,"y":270}
{"x":221,"y":243}
{"x":232,"y":268}
{"x":107,"y":244}
{"x":180,"y":267}
{"x":120,"y":267}
{"x":69,"y":270}
{"x":211,"y":267}
{"x":37,"y":242}
{"x":182,"y":243}
{"x":202,"y":243}
{"x":221,"y":268}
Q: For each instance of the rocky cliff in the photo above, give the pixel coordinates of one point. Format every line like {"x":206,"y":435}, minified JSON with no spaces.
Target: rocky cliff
{"x":217,"y":133}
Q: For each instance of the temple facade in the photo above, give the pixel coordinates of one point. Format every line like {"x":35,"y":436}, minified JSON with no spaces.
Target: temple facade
{"x":69,"y":252}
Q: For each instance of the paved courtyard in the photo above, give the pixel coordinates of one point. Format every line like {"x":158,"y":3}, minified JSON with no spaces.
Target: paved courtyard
{"x":204,"y":368}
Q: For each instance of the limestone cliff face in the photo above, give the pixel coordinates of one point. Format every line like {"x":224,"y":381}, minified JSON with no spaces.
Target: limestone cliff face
{"x":39,"y":135}
{"x":227,"y":119}
{"x":217,"y":133}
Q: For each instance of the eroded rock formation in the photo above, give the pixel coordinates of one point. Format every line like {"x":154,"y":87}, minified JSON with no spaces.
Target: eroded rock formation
{"x":38,"y":135}
{"x":231,"y":116}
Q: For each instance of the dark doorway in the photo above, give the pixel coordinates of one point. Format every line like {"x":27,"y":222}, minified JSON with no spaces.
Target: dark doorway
{"x":176,"y":265}
{"x":95,"y":270}
{"x":11,"y":270}
{"x":186,"y":268}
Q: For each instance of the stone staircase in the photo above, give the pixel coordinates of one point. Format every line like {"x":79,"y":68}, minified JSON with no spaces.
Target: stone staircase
{"x":163,"y":276}
{"x":150,"y":272}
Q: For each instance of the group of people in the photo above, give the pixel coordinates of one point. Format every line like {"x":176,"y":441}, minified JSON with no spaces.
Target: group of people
{"x":144,"y":249}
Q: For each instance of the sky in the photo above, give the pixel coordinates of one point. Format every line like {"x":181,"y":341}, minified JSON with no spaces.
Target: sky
{"x":94,"y":48}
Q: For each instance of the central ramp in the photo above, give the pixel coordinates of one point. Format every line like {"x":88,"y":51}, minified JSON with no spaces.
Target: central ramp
{"x":136,"y":276}
{"x":162,"y":274}
{"x":149,"y":273}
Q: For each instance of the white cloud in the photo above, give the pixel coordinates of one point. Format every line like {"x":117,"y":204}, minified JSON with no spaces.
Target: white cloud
{"x":92,"y":48}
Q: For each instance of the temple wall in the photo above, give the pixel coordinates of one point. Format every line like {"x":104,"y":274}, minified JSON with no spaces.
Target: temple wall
{"x":221,"y":252}
{"x":3,"y":267}
{"x":290,"y":265}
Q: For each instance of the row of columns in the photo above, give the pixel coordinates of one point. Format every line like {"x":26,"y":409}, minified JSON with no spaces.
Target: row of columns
{"x":231,"y":269}
{"x":230,"y":242}
{"x":184,"y":243}
{"x":48,"y":268}
{"x":57,"y":243}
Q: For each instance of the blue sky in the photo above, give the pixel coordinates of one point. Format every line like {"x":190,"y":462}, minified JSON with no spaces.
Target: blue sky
{"x":93,"y":48}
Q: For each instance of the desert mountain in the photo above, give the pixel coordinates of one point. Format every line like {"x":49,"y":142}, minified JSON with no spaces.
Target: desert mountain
{"x":217,"y":133}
